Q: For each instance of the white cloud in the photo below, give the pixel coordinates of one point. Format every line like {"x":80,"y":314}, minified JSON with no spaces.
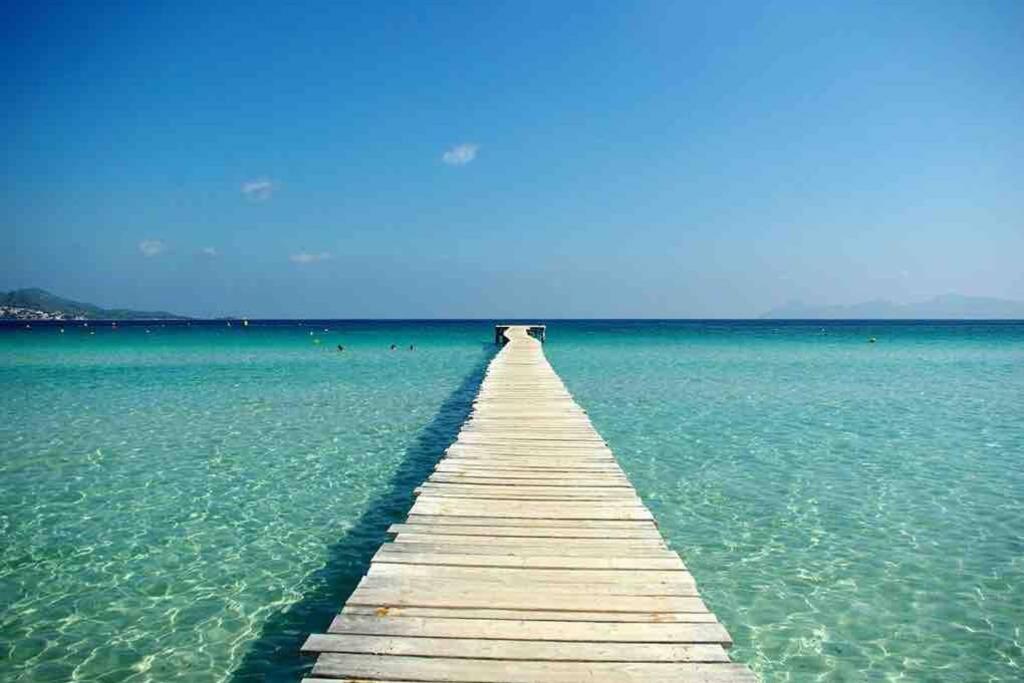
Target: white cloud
{"x":308,"y":257}
{"x":259,"y":190}
{"x":209,"y":251}
{"x":152,"y":247}
{"x":460,"y":155}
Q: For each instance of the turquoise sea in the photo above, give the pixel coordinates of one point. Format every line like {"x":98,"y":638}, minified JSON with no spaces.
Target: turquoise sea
{"x":187,"y":502}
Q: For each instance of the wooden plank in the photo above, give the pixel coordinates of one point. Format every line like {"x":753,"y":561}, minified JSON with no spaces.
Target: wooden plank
{"x":454,"y":670}
{"x":548,"y":488}
{"x":501,"y":495}
{"x":615,"y":479}
{"x":565,"y":631}
{"x":504,"y":545}
{"x":531,"y":599}
{"x":517,"y":557}
{"x":511,"y":469}
{"x":478,"y":648}
{"x":536,"y":456}
{"x":487,"y":533}
{"x":479,"y":508}
{"x":460,"y":585}
{"x":556,"y":543}
{"x":529,"y":493}
{"x":560,"y":523}
{"x":569,"y":444}
{"x":651,"y":582}
{"x":532,"y":457}
{"x":538,"y":468}
{"x":545,"y":415}
{"x":527,"y":489}
{"x":577,"y":470}
{"x":532,"y":615}
{"x":592,"y":480}
{"x":548,"y":461}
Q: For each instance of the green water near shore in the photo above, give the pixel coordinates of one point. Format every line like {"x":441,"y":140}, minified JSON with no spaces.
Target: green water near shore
{"x":189,"y":502}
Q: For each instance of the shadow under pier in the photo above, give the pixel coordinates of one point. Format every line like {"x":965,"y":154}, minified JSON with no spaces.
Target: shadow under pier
{"x":274,"y":655}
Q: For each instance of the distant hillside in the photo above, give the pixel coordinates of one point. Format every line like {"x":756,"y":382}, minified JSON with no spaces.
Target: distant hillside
{"x":946,"y":307}
{"x":38,"y":304}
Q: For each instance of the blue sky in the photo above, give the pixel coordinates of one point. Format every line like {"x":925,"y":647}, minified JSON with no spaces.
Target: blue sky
{"x":479,"y":159}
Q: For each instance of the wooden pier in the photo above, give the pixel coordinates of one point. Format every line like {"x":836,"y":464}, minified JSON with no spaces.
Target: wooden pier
{"x":527,"y":558}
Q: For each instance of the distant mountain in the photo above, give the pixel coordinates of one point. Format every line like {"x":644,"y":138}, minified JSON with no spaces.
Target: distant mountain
{"x":947,"y":306}
{"x":38,"y":304}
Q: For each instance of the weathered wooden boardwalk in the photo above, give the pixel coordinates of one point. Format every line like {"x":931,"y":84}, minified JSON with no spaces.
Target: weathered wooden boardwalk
{"x":527,"y":557}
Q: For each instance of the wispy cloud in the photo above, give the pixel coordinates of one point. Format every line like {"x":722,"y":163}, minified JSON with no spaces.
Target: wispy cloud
{"x":152,"y":247}
{"x":259,"y":190}
{"x":209,"y":251}
{"x":460,"y":155}
{"x":309,"y":257}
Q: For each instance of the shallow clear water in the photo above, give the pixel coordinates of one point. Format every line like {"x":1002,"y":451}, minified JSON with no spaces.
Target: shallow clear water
{"x":186,"y":503}
{"x":190,"y":502}
{"x":850,"y":510}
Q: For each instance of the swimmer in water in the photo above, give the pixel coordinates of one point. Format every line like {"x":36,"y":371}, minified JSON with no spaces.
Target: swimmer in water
{"x":340,"y":347}
{"x":393,"y":347}
{"x":411,"y":347}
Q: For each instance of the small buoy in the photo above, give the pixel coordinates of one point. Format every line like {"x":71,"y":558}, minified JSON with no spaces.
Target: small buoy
{"x":316,"y":341}
{"x":872,"y":340}
{"x":91,"y":332}
{"x":85,"y":324}
{"x":229,"y":323}
{"x":245,"y":323}
{"x":62,"y":330}
{"x":28,"y":327}
{"x":311,"y":333}
{"x":147,"y":331}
